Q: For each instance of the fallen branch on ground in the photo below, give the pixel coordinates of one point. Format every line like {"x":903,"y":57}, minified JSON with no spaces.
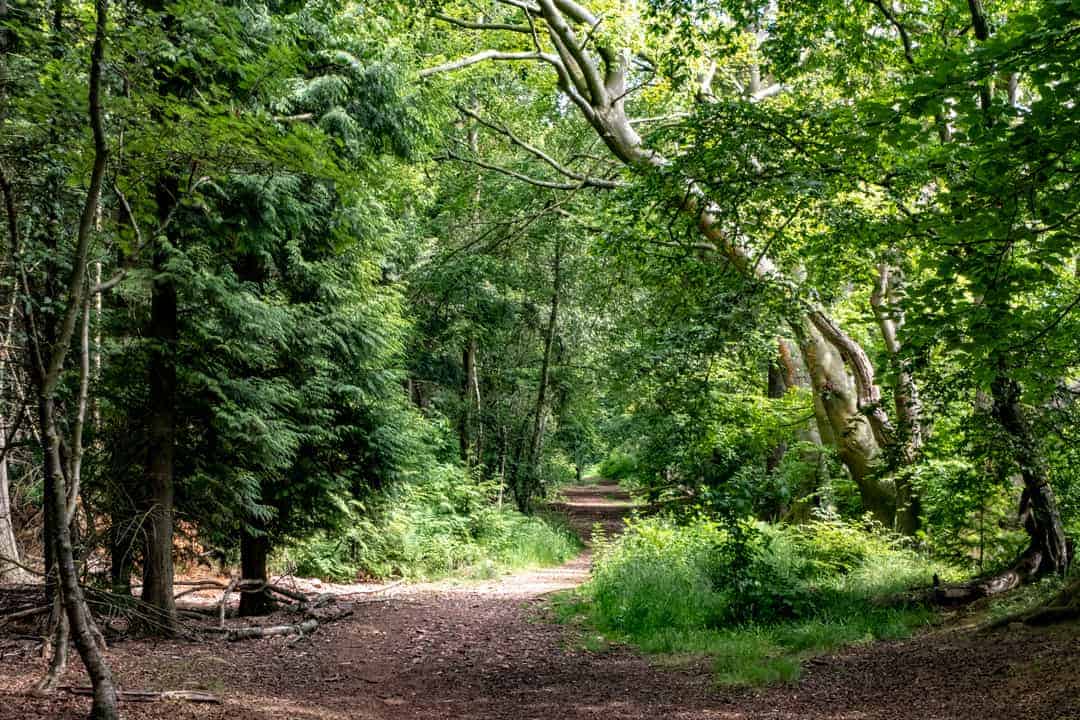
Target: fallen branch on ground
{"x":31,"y":612}
{"x":248,"y":633}
{"x":194,"y":696}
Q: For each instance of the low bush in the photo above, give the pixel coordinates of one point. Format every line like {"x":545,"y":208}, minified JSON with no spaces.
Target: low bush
{"x":755,"y":597}
{"x":618,"y":466}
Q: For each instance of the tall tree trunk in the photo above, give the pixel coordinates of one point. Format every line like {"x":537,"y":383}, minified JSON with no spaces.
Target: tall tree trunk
{"x":158,"y":500}
{"x":254,"y":552}
{"x":59,"y":502}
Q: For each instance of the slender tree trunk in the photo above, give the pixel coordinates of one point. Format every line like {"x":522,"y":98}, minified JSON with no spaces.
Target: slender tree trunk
{"x":470,"y":400}
{"x":502,"y":464}
{"x":907,"y":440}
{"x":254,"y":552}
{"x":121,"y":553}
{"x":78,"y":616}
{"x":9,"y":549}
{"x":778,"y":384}
{"x":48,"y":358}
{"x":540,"y":413}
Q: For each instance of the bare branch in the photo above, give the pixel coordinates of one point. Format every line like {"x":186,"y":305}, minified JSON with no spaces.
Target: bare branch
{"x":485,"y":55}
{"x":549,"y":184}
{"x":533,"y":150}
{"x":905,"y":38}
{"x":528,"y":7}
{"x":301,"y":118}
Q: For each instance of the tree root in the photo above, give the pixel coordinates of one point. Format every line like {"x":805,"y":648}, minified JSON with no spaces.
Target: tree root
{"x":1063,"y":607}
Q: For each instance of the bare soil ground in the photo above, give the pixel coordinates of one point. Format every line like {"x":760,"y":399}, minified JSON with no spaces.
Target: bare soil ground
{"x":486,"y":651}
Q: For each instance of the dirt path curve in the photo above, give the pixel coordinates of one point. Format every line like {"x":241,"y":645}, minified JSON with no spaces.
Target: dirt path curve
{"x":484,"y":652}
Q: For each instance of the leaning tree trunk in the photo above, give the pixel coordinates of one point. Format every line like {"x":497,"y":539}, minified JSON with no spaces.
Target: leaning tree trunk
{"x":1048,"y":551}
{"x":841,"y":423}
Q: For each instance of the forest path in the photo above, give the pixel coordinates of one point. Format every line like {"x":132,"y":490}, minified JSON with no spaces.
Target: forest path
{"x":486,"y":651}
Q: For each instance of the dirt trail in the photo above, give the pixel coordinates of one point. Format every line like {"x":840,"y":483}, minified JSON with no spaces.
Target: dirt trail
{"x":484,"y":651}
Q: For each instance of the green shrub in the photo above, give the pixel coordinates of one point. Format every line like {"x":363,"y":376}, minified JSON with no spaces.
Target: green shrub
{"x":751,"y":590}
{"x":618,"y":465}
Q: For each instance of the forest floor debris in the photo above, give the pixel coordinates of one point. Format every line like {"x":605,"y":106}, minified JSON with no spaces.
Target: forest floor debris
{"x":485,"y":650}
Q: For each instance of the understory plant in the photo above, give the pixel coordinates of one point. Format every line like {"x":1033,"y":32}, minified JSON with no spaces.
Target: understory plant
{"x":755,"y":597}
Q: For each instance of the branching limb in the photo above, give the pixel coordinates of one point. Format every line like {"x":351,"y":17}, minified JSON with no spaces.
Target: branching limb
{"x":565,"y":39}
{"x":507,"y":27}
{"x":486,"y":55}
{"x":905,"y":38}
{"x":537,"y":152}
{"x":548,"y":184}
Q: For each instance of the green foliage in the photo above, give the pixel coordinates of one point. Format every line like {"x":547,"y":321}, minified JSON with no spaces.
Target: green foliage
{"x":618,"y":465}
{"x":442,"y":524}
{"x":755,"y":597}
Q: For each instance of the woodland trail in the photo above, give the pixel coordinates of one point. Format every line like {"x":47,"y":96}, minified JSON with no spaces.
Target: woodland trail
{"x":487,"y":651}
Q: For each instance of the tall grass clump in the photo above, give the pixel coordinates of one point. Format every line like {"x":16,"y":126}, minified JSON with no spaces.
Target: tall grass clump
{"x":755,"y":597}
{"x":444,"y":524}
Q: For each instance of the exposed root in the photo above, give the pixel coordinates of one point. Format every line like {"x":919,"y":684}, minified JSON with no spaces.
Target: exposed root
{"x":1065,"y":606}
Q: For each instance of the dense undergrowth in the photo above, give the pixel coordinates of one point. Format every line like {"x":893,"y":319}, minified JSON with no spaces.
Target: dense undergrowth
{"x":756,"y":598}
{"x":443,"y":525}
